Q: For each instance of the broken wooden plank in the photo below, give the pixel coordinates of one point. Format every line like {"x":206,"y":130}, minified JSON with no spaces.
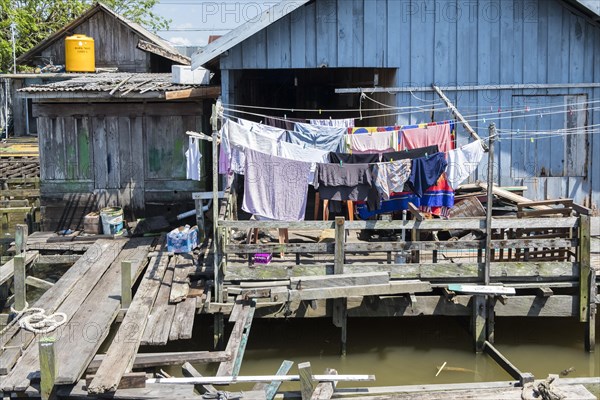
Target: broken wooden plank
{"x":7,"y":270}
{"x":189,"y":371}
{"x":183,"y":320}
{"x":208,"y":92}
{"x":512,"y":196}
{"x":324,"y":390}
{"x":38,"y":283}
{"x":162,"y":313}
{"x":272,"y":388}
{"x":396,"y":287}
{"x":148,"y":360}
{"x":235,"y":345}
{"x":506,"y":365}
{"x":121,"y":355}
{"x":184,"y":267}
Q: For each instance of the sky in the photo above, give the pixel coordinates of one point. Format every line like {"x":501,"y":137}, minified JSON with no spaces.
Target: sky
{"x":193,"y":21}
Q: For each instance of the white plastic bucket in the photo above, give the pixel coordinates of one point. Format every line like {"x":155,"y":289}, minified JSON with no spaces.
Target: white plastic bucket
{"x":112,"y":220}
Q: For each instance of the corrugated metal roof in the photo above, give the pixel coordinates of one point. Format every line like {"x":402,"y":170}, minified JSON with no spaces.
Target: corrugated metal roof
{"x":106,"y":82}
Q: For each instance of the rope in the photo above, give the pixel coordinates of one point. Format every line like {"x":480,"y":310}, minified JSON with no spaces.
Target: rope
{"x":35,"y":320}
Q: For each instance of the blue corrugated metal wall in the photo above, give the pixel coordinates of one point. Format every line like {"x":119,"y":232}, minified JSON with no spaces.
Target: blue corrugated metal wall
{"x":461,"y":42}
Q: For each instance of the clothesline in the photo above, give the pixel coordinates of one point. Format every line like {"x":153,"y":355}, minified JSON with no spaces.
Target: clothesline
{"x":526,"y":109}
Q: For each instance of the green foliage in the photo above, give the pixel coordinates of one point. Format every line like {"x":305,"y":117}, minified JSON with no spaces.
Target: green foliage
{"x":35,"y":20}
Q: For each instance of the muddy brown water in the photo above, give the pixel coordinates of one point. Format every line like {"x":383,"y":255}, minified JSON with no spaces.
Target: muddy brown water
{"x":407,"y":351}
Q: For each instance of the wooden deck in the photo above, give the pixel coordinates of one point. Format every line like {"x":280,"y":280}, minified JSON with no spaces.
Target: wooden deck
{"x":327,"y":270}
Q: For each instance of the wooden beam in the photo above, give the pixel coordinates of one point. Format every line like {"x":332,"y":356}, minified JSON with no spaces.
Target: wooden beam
{"x":272,"y":388}
{"x":149,"y":360}
{"x":189,"y":371}
{"x":206,"y":92}
{"x":307,"y":384}
{"x":479,"y":321}
{"x":323,"y":281}
{"x":130,"y":380}
{"x":506,"y":365}
{"x":458,"y":115}
{"x":121,"y":355}
{"x":324,"y":390}
{"x":512,"y":197}
{"x":160,"y":51}
{"x":396,"y":287}
{"x":7,"y":270}
{"x":38,"y":283}
{"x":237,"y":341}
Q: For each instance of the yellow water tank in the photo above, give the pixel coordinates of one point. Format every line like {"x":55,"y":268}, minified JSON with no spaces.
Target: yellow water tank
{"x":79,"y":54}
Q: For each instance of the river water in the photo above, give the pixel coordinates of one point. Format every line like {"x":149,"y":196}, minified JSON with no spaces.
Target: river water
{"x":406,"y":351}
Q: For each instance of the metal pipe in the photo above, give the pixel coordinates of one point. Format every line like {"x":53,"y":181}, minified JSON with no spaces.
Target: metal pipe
{"x":192,"y":213}
{"x":469,"y":88}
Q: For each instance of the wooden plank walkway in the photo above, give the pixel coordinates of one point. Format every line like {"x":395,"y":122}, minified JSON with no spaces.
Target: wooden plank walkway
{"x":17,"y":379}
{"x":77,"y":282}
{"x":120,"y":356}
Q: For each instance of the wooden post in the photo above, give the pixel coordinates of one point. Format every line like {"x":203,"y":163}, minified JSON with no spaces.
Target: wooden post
{"x":340,"y":305}
{"x":523,"y":377}
{"x":490,"y":200}
{"x":488,"y":303}
{"x":219,"y":324}
{"x":21,"y":239}
{"x":479,"y":321}
{"x":125,"y":284}
{"x":584,"y":266}
{"x":307,"y":385}
{"x":48,"y":367}
{"x":590,"y":332}
{"x":19,"y":282}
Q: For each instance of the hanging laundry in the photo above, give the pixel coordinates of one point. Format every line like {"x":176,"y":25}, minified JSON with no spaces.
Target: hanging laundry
{"x":236,"y":138}
{"x":437,"y":200}
{"x":378,"y":142}
{"x":427,"y":135}
{"x":275,"y":187}
{"x":348,"y":182}
{"x":462,"y":162}
{"x":372,"y":129}
{"x":409,"y":154}
{"x":265,"y":129}
{"x":193,"y":157}
{"x":425,"y":171}
{"x":339,"y":123}
{"x":346,"y":158}
{"x":391,"y":176}
{"x":296,"y":152}
{"x":320,"y":137}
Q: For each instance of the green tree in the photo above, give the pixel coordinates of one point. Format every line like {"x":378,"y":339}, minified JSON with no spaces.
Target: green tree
{"x":35,"y":20}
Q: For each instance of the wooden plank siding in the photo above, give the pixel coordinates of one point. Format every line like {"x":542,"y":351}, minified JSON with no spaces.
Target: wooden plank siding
{"x":100,"y":155}
{"x":456,"y":42}
{"x":114,"y":42}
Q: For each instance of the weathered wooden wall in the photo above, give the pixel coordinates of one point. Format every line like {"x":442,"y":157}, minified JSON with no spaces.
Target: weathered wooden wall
{"x":115,"y":45}
{"x":464,"y":43}
{"x":115,"y":154}
{"x":5,"y":103}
